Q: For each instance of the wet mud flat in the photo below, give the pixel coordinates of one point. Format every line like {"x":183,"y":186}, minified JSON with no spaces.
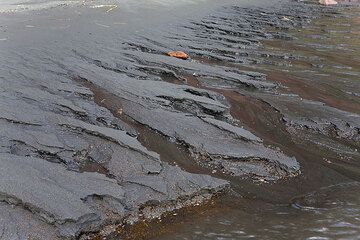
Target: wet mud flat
{"x":102,"y":131}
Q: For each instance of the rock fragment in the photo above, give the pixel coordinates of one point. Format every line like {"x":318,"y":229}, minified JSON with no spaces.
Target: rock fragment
{"x":328,"y":2}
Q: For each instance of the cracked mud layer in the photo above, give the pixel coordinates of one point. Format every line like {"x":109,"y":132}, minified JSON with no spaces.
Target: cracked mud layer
{"x":100,"y":129}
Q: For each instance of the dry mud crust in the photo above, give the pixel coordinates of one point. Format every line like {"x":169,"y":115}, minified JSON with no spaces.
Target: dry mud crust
{"x":47,"y":136}
{"x":317,"y":117}
{"x":218,"y":143}
{"x":195,"y":117}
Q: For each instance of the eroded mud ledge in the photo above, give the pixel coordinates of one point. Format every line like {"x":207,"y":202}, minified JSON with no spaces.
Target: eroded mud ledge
{"x":72,"y":165}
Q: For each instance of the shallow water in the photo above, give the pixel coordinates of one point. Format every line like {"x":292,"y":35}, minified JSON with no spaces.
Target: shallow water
{"x":320,"y":64}
{"x":329,"y":213}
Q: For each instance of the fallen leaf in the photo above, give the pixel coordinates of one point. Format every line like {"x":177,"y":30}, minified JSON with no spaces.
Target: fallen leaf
{"x":178,"y":54}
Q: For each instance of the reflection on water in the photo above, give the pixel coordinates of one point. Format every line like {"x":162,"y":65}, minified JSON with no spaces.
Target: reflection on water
{"x":24,"y":5}
{"x":330,"y":213}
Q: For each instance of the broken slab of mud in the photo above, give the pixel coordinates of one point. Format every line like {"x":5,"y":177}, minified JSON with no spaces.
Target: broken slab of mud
{"x":200,"y":120}
{"x":47,"y":141}
{"x":316,"y":116}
